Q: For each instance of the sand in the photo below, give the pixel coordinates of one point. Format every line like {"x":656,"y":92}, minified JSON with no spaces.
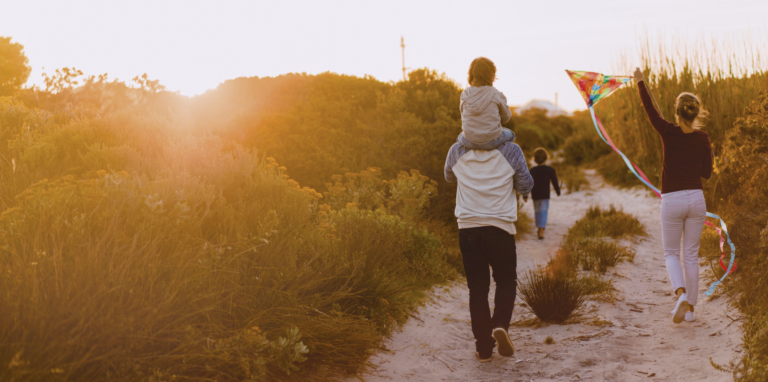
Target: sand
{"x":641,"y":344}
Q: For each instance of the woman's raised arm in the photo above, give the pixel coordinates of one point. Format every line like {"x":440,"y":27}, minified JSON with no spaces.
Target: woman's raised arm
{"x":659,"y":123}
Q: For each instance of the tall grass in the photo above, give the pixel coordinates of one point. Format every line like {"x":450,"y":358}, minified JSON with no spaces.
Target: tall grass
{"x":726,"y":76}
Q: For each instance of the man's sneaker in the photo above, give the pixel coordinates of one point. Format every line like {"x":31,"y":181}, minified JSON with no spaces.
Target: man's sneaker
{"x":483,"y":360}
{"x":678,"y":314}
{"x":690,"y":317}
{"x":502,"y":341}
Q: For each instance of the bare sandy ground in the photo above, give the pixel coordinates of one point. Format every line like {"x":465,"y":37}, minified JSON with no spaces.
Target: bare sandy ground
{"x":641,"y":344}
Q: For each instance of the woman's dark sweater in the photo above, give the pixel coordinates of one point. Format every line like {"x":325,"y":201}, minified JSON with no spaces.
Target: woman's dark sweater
{"x":542,"y":175}
{"x":687,"y":157}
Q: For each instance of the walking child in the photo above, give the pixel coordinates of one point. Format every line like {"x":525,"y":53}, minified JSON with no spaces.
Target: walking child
{"x":542,"y":176}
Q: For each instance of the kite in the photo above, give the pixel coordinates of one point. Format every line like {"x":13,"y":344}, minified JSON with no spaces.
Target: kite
{"x":594,"y":87}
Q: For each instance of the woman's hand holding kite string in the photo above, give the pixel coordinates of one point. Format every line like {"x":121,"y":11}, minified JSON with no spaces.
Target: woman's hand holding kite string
{"x":639,"y":75}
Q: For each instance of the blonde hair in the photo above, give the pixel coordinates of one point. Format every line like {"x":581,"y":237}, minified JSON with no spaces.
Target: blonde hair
{"x":482,"y":72}
{"x":688,"y":108}
{"x":540,"y":155}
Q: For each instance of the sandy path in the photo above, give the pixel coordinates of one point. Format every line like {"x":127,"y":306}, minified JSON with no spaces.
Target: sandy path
{"x":438,"y":344}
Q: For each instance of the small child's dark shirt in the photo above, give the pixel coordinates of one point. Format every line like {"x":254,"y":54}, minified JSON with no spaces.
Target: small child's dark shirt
{"x":542,"y":175}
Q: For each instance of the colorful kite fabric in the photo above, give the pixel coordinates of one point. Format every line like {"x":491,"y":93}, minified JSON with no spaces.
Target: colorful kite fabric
{"x":594,"y":87}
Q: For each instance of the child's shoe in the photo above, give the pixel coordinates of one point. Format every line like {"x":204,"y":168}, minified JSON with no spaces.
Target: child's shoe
{"x":690,"y":317}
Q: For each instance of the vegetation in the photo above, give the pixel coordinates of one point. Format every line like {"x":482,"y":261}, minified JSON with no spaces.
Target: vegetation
{"x":154,"y":236}
{"x":737,"y":192}
{"x":597,"y":255}
{"x":611,"y":223}
{"x":556,"y":293}
{"x":571,"y":177}
{"x":184,"y":259}
{"x":14,"y":66}
{"x":553,"y":299}
{"x":735,"y":92}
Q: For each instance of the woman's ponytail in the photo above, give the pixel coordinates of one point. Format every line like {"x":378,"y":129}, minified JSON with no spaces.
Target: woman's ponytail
{"x":688,"y":107}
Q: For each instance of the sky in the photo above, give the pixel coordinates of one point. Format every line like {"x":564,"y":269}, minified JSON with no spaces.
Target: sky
{"x":192,"y":46}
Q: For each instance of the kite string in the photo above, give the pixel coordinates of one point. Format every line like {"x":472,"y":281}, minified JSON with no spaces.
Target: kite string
{"x":640,"y":175}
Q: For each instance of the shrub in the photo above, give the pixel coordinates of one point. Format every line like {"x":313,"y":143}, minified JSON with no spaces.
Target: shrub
{"x":613,"y":169}
{"x":612,"y":223}
{"x":203,"y":262}
{"x":741,"y":172}
{"x":584,"y":148}
{"x":552,"y":299}
{"x":597,"y":255}
{"x":570,"y":177}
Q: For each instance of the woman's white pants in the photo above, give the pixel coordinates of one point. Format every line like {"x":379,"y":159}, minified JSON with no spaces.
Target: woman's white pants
{"x":682,"y":216}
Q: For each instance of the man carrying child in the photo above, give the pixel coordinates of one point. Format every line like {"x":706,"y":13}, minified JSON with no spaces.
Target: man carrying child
{"x":488,"y":168}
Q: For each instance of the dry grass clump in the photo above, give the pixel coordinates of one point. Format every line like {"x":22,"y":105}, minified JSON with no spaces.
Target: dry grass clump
{"x":597,"y":254}
{"x":549,"y":340}
{"x":553,"y":299}
{"x":612,"y":223}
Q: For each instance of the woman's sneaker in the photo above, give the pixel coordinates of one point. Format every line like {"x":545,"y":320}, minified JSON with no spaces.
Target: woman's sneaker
{"x":503,"y":342}
{"x":678,"y":314}
{"x":483,"y":360}
{"x":690,"y":317}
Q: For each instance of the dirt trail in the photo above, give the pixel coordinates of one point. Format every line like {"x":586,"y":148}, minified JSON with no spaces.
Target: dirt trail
{"x":642,"y":343}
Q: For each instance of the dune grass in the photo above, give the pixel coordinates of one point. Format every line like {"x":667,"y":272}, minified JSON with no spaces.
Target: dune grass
{"x":557,"y":292}
{"x":552,"y":299}
{"x":597,"y":254}
{"x":612,"y":222}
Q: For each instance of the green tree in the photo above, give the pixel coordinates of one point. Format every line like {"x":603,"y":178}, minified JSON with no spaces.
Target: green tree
{"x":14,"y":66}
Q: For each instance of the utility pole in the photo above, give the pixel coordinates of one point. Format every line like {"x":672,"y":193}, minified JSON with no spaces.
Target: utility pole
{"x":556,"y":100}
{"x":402,"y":45}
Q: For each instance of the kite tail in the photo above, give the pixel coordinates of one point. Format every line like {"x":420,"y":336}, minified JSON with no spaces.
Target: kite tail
{"x":632,"y":167}
{"x":640,"y":175}
{"x":731,"y":264}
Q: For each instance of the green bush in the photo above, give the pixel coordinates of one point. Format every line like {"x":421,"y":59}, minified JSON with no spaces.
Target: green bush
{"x":191,"y":259}
{"x":572,"y":178}
{"x":584,"y":148}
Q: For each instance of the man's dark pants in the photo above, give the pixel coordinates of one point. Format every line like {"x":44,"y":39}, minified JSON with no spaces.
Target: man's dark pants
{"x":481,"y":247}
